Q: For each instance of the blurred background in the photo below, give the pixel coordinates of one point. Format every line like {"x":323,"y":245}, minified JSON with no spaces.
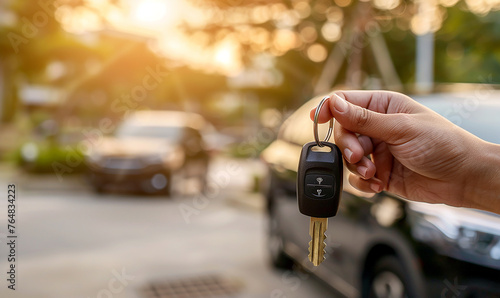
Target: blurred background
{"x":133,"y":129}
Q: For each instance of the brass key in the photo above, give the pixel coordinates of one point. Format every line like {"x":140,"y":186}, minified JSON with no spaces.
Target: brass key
{"x":317,"y":245}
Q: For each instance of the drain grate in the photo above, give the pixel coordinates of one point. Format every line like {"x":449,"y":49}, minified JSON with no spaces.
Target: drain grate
{"x":194,"y":287}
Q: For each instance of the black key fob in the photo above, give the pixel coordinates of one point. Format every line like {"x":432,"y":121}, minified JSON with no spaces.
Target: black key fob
{"x":319,"y":179}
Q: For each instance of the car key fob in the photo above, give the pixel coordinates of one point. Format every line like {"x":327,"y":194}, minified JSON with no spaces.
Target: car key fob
{"x":319,"y":179}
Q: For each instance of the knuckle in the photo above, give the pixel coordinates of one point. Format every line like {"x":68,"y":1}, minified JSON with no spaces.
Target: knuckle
{"x":362,"y":117}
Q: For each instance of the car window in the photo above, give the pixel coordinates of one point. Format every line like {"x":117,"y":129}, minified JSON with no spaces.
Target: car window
{"x":478,"y":116}
{"x":485,"y":124}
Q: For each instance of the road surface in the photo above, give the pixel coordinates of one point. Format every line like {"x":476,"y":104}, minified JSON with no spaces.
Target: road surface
{"x":75,"y":243}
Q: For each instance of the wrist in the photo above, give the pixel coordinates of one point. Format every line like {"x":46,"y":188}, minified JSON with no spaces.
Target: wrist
{"x":482,"y":185}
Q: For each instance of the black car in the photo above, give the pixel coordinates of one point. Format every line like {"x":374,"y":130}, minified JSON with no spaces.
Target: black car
{"x":151,"y":151}
{"x":383,"y":245}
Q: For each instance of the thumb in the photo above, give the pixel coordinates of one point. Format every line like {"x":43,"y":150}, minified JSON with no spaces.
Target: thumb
{"x":361,"y":120}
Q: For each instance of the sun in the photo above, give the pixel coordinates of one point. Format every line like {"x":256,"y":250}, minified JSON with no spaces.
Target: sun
{"x":226,"y":57}
{"x":152,"y":11}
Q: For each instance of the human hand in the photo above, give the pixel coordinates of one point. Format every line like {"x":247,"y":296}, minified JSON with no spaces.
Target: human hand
{"x":415,"y":152}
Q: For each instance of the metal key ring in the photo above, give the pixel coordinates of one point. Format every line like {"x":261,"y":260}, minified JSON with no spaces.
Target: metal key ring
{"x":330,"y":129}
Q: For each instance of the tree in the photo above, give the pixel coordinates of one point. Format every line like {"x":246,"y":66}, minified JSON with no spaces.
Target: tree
{"x":302,"y":34}
{"x":33,"y":39}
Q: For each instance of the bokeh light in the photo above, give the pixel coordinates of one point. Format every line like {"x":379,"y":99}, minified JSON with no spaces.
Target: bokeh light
{"x":261,"y":39}
{"x":331,"y":31}
{"x":317,"y":52}
{"x":343,"y":3}
{"x":429,"y":19}
{"x":285,"y":40}
{"x":303,"y":8}
{"x":288,"y":19}
{"x":260,"y":14}
{"x":482,"y":7}
{"x":277,"y":10}
{"x":308,"y":33}
{"x":386,"y":4}
{"x":334,"y":14}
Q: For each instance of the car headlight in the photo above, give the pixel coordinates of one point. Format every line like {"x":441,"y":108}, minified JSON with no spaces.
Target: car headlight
{"x":446,"y":231}
{"x":477,"y":241}
{"x":495,"y":251}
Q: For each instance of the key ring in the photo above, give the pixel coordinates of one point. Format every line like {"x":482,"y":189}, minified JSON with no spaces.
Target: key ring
{"x":330,"y":129}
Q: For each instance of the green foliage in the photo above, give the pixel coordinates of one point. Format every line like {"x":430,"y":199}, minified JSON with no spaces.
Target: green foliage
{"x":467,"y":47}
{"x":50,"y":154}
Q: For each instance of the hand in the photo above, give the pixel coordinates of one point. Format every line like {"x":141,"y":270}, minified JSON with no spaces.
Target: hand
{"x":415,"y":152}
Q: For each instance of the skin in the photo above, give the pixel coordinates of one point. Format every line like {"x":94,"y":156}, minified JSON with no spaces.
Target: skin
{"x":391,"y":142}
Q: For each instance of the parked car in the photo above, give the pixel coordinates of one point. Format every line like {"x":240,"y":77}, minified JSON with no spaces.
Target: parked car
{"x":150,"y":152}
{"x":383,"y":245}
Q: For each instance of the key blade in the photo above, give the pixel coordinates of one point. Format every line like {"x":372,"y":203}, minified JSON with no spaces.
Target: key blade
{"x":317,"y":245}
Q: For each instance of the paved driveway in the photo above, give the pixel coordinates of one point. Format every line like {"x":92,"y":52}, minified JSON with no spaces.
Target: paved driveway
{"x":74,"y":243}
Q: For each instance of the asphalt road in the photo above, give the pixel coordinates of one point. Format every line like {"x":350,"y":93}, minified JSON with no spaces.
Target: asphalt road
{"x":74,"y":243}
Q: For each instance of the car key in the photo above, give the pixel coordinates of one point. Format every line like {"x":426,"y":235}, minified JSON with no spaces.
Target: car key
{"x":319,"y":188}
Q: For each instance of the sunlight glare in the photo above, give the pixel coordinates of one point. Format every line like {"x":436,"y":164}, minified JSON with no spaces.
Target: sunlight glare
{"x":223,"y":56}
{"x":149,"y":11}
{"x":77,"y":20}
{"x":226,"y":57}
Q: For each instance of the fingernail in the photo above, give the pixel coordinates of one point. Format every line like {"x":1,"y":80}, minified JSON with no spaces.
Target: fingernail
{"x":348,"y":154}
{"x":375,"y":187}
{"x":362,"y":170}
{"x":340,"y":104}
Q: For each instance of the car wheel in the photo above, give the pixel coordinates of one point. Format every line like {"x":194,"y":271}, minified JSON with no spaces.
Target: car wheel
{"x":275,"y":246}
{"x":388,"y":280}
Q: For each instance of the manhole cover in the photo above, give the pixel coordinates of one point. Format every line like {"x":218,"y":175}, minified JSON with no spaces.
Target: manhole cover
{"x":193,"y":287}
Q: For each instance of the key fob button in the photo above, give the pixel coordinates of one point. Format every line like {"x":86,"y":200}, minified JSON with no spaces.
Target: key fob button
{"x":319,"y":179}
{"x":320,"y":192}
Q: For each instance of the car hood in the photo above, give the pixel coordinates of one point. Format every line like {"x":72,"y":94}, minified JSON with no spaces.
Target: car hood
{"x":128,"y":147}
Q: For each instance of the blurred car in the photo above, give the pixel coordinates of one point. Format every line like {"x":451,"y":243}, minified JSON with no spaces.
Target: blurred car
{"x":151,"y":151}
{"x":382,"y":245}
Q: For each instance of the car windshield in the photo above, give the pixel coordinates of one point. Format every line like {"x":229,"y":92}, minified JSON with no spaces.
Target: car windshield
{"x":479,"y":118}
{"x":142,"y":131}
{"x":484,"y":124}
